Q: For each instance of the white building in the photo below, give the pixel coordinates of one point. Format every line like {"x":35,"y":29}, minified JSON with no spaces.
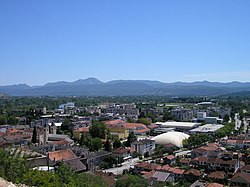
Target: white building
{"x":175,"y":138}
{"x":201,"y":115}
{"x":143,"y":146}
{"x":181,"y":126}
{"x":206,"y":129}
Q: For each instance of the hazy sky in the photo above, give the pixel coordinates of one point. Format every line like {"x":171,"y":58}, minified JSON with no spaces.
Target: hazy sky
{"x":167,"y":40}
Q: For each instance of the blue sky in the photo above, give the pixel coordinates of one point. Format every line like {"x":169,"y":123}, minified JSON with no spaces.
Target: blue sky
{"x":166,"y":40}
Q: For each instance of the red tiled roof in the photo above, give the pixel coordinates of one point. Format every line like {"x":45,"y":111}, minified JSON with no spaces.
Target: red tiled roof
{"x":211,"y":160}
{"x":167,"y":168}
{"x":201,"y":159}
{"x":208,"y":147}
{"x":148,"y":175}
{"x":13,"y":131}
{"x":82,"y":129}
{"x":3,"y":134}
{"x":185,"y":161}
{"x":214,"y":185}
{"x":179,"y":171}
{"x":147,"y":166}
{"x":217,"y":175}
{"x":152,"y":126}
{"x":28,"y":130}
{"x":240,"y":141}
{"x":121,"y":150}
{"x":163,"y":168}
{"x":246,"y":167}
{"x":142,"y":164}
{"x":170,"y":157}
{"x":60,"y":142}
{"x":114,"y":122}
{"x":231,"y":141}
{"x":193,"y":172}
{"x":65,"y":154}
{"x":171,"y":170}
{"x":159,"y":168}
{"x":243,"y":175}
{"x":134,"y":125}
{"x":199,"y":150}
{"x":16,"y":137}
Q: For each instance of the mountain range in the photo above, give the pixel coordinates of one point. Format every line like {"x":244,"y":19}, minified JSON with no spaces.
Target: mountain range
{"x":95,"y":87}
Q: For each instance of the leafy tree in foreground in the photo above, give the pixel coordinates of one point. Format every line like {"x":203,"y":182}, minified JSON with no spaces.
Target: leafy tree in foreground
{"x":14,"y":168}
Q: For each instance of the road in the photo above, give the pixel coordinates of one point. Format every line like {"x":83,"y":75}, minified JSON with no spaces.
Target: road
{"x":125,"y":165}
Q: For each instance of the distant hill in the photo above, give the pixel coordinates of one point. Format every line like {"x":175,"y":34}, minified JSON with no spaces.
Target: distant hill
{"x":95,"y":87}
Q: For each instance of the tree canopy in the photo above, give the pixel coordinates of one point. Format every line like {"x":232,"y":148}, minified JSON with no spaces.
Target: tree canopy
{"x":14,"y":168}
{"x":131,"y":138}
{"x":98,"y":130}
{"x":197,"y":140}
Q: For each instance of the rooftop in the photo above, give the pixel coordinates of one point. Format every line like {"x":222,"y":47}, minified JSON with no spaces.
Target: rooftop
{"x":217,"y":175}
{"x":207,"y":128}
{"x":242,"y":175}
{"x":177,"y":124}
{"x":65,"y":154}
{"x":193,"y":172}
{"x":143,"y":141}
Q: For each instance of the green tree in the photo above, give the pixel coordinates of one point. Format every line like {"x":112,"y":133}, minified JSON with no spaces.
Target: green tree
{"x":89,"y":180}
{"x":167,"y":116}
{"x":65,"y":174}
{"x":145,"y":121}
{"x":3,"y":120}
{"x":146,"y":155}
{"x":11,"y":120}
{"x":117,"y":143}
{"x":95,"y":144}
{"x":108,"y":162}
{"x":86,"y":140}
{"x":107,"y":145}
{"x":197,"y":140}
{"x":226,"y":118}
{"x":12,"y":166}
{"x":225,"y":131}
{"x":98,"y":130}
{"x":38,"y":178}
{"x":34,"y":135}
{"x":131,"y":138}
{"x":65,"y":124}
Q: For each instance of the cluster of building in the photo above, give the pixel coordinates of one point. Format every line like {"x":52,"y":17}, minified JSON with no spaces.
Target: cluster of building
{"x":210,"y":162}
{"x":206,"y":163}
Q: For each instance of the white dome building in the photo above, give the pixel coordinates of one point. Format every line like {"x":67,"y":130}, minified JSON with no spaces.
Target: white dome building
{"x":174,"y":138}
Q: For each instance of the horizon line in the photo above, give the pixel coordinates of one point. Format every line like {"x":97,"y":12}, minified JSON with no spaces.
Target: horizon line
{"x":34,"y":85}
